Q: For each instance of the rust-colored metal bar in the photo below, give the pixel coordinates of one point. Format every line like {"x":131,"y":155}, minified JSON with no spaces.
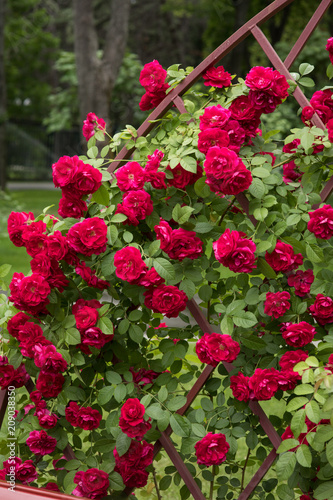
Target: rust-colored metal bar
{"x":187,"y":83}
{"x":307,"y":32}
{"x":3,"y":404}
{"x":22,"y":492}
{"x":181,"y":467}
{"x":264,"y":468}
{"x":280,"y":66}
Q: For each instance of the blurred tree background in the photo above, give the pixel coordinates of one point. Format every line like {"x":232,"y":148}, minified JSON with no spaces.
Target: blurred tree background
{"x":63,"y":57}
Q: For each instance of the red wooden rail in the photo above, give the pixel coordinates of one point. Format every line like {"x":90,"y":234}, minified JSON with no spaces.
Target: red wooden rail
{"x":174,"y":98}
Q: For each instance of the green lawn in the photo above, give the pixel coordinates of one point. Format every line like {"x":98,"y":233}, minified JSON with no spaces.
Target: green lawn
{"x":22,"y":201}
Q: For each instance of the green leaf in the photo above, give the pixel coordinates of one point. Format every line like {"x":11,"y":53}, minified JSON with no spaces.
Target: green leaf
{"x":261,"y":172}
{"x":68,"y":483}
{"x":180,"y":425}
{"x":296,"y":403}
{"x":4,"y":270}
{"x":72,"y":336}
{"x":105,"y":324}
{"x":252,"y":440}
{"x":287,"y":444}
{"x":306,"y":82}
{"x":302,"y":389}
{"x":304,"y":456}
{"x":313,"y":412}
{"x":297,"y":422}
{"x":188,"y":287}
{"x":164,"y":268}
{"x":181,"y":214}
{"x":116,"y":481}
{"x":155,"y":412}
{"x":329,"y":71}
{"x":117,"y":218}
{"x":257,"y":188}
{"x":285,"y":465}
{"x":104,"y":395}
{"x":176,"y":403}
{"x":120,"y":393}
{"x":72,"y":464}
{"x":199,"y":430}
{"x":284,"y":492}
{"x":314,"y":253}
{"x":123,"y":442}
{"x":260,"y":214}
{"x":154,"y":248}
{"x":245,"y":319}
{"x":254,"y":343}
{"x":205,"y":293}
{"x":203,"y":227}
{"x":305,"y":69}
{"x":324,"y":433}
{"x":74,"y":393}
{"x":227,"y":325}
{"x":101,"y":196}
{"x":135,"y":333}
{"x":293,"y":219}
{"x":324,"y":491}
{"x":112,"y":234}
{"x":189,"y":163}
{"x":113,"y":377}
{"x":265,"y":269}
{"x":329,"y":452}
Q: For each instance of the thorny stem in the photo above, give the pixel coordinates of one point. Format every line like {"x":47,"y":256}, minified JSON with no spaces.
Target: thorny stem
{"x":156,"y":485}
{"x":224,"y":213}
{"x":244,"y":468}
{"x":211,"y":489}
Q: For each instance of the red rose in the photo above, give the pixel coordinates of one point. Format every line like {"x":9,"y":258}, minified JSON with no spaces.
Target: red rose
{"x":184,"y":244}
{"x":30,"y":331}
{"x":213,"y":348}
{"x":50,"y":384}
{"x":166,"y":299}
{"x":85,"y":317}
{"x":290,"y":173}
{"x":329,"y":126}
{"x":241,"y":109}
{"x":152,"y":76}
{"x":17,"y":221}
{"x":134,"y":431}
{"x":81,"y":303}
{"x":71,"y":413}
{"x":91,"y":125}
{"x":151,"y":278}
{"x":276,"y":304}
{"x":212,"y":137}
{"x":136,"y":205}
{"x":156,"y":178}
{"x":47,"y":420}
{"x":307,"y":114}
{"x":51,"y":486}
{"x":130,"y":176}
{"x":240,"y":387}
{"x":150,"y":100}
{"x":89,"y":276}
{"x":164,"y":234}
{"x":220,"y":162}
{"x":88,"y":418}
{"x":132,"y":411}
{"x":138,"y":456}
{"x":299,"y":334}
{"x":40,"y":443}
{"x":283,"y":258}
{"x":181,"y":177}
{"x":143,"y":376}
{"x":232,"y":182}
{"x":234,"y":251}
{"x":29,"y":292}
{"x":88,"y":237}
{"x":24,"y":472}
{"x":260,"y":78}
{"x":214,"y":116}
{"x":93,"y":483}
{"x":94,"y":337}
{"x":263,"y":384}
{"x":7,"y":373}
{"x":212,"y":449}
{"x":129,"y":264}
{"x":64,"y":169}
{"x":290,"y":358}
{"x":321,"y":222}
{"x":301,"y":281}
{"x":71,"y":207}
{"x":133,"y":478}
{"x":217,"y":77}
{"x":263,"y":101}
{"x":16,"y":322}
{"x":322,"y":309}
{"x":86,"y":180}
{"x":287,"y":380}
{"x":47,"y":358}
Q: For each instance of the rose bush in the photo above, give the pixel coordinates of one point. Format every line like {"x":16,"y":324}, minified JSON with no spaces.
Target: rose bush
{"x":210,"y":209}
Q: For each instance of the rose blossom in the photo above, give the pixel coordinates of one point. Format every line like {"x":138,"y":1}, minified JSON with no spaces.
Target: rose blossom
{"x":40,"y":443}
{"x":322,"y":309}
{"x":91,"y":125}
{"x":135,"y":431}
{"x":214,"y":116}
{"x":47,"y":420}
{"x":29,"y":292}
{"x":71,"y":413}
{"x":166,"y":299}
{"x":283,"y":258}
{"x":136,"y":205}
{"x":184,"y":244}
{"x":71,"y":207}
{"x":47,"y":358}
{"x":88,"y":418}
{"x":301,"y":281}
{"x":299,"y":334}
{"x":276,"y":304}
{"x":239,"y":384}
{"x":51,"y":486}
{"x":50,"y":384}
{"x":321,"y":222}
{"x":130,"y":176}
{"x":152,"y":75}
{"x":220,"y":161}
{"x":181,"y":177}
{"x":16,"y":322}
{"x":164,"y":233}
{"x":307,"y":114}
{"x":93,"y":483}
{"x":212,"y":449}
{"x":212,"y":348}
{"x":15,"y":225}
{"x":88,"y":237}
{"x":94,"y":337}
{"x":212,"y":137}
{"x":85,"y":317}
{"x":139,"y":455}
{"x":132,"y":411}
{"x":290,"y":359}
{"x":217,"y":77}
{"x":234,"y":251}
{"x":263,"y":384}
{"x":129,"y":264}
{"x":64,"y":169}
{"x":24,"y":471}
